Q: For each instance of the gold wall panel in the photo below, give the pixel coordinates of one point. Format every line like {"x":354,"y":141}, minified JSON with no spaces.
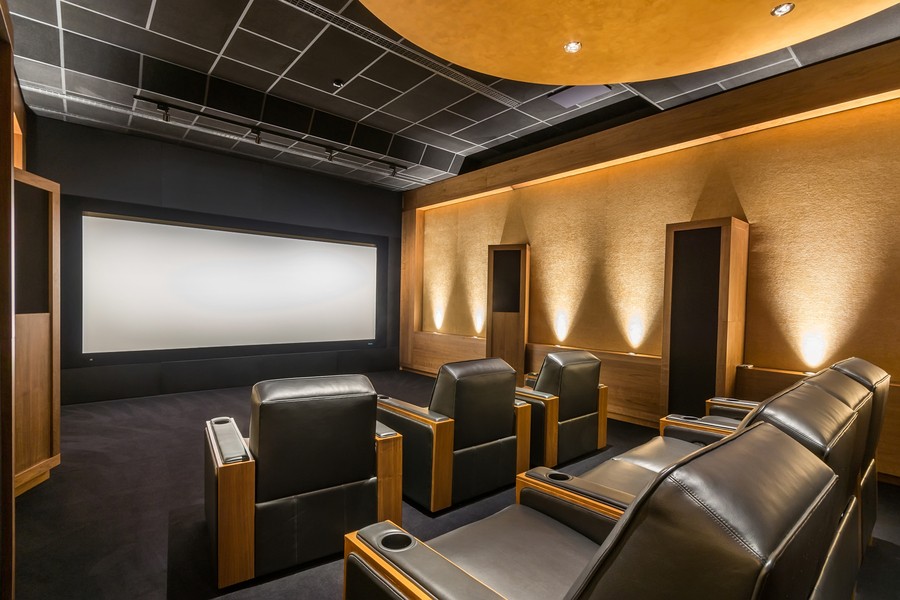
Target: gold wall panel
{"x":820,"y":195}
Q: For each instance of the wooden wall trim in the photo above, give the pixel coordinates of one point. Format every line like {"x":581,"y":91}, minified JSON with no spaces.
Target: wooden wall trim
{"x":427,"y":350}
{"x":865,"y":77}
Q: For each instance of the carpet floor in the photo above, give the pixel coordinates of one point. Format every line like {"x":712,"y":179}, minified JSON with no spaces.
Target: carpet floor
{"x":122,"y":516}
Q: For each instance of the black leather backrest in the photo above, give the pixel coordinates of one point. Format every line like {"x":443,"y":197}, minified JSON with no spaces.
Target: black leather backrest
{"x":878,"y":382}
{"x":479,"y":395}
{"x":311,"y":433}
{"x":573,"y":376}
{"x":819,"y":421}
{"x":857,"y":398}
{"x":746,"y":517}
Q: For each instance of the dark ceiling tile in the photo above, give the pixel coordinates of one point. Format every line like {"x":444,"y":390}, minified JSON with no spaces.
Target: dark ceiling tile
{"x":257,"y":150}
{"x":482,"y":77}
{"x":204,"y":23}
{"x":134,"y":38}
{"x":101,"y":60}
{"x":406,"y":149}
{"x":435,"y":138}
{"x":367,"y":92}
{"x":296,"y":160}
{"x":659,"y":90}
{"x":369,"y":138}
{"x":478,"y":107}
{"x":133,"y":11}
{"x":446,"y":122}
{"x":363,"y":16}
{"x":332,"y":128}
{"x":422,"y":172}
{"x":174,"y":81}
{"x":771,"y":71}
{"x":283,"y":23}
{"x":425,"y":53}
{"x":303,"y":94}
{"x":437,"y":158}
{"x":39,"y":73}
{"x":36,"y":41}
{"x":98,"y":114}
{"x":386,"y":122}
{"x":259,"y":52}
{"x":209,"y":139}
{"x":157,"y":127}
{"x":235,"y":99}
{"x":690,"y":97}
{"x":218,"y":125}
{"x":334,"y":168}
{"x":38,"y":101}
{"x":335,"y":55}
{"x":521,"y":91}
{"x":287,"y":115}
{"x":91,"y":122}
{"x":93,"y":87}
{"x":334,"y":5}
{"x":427,"y":98}
{"x":243,"y":74}
{"x":491,"y":129}
{"x":529,"y":130}
{"x":543,"y":108}
{"x":42,"y":10}
{"x":880,"y":27}
{"x":396,"y":72}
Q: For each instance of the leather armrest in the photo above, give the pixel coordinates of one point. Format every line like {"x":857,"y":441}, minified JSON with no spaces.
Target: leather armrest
{"x":705,"y":430}
{"x":729,"y":407}
{"x":529,"y":395}
{"x":394,"y":556}
{"x":383,"y":431}
{"x":394,"y":405}
{"x":582,"y":487}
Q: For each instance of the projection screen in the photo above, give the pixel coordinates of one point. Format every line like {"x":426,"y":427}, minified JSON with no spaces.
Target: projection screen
{"x":153,"y":286}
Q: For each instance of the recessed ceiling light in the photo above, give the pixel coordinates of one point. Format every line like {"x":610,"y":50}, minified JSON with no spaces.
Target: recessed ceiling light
{"x":782,"y":9}
{"x":572,"y":47}
{"x":338,"y":83}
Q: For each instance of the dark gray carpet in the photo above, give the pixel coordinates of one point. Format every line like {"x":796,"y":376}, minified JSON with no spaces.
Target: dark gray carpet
{"x":122,"y":516}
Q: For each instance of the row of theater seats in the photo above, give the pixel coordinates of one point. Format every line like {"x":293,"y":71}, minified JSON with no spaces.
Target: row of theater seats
{"x":327,"y":455}
{"x":767,"y":506}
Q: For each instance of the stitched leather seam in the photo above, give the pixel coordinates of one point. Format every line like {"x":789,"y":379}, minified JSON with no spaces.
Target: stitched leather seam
{"x":717,"y":517}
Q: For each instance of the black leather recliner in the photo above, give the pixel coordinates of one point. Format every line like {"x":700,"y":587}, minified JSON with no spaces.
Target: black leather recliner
{"x":568,"y":415}
{"x":713,"y":525}
{"x":472,"y":438}
{"x":314,"y":469}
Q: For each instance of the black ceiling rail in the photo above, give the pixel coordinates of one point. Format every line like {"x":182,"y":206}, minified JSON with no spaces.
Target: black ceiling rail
{"x":258,"y":130}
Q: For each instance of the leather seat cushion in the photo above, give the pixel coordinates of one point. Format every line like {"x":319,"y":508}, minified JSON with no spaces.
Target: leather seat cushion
{"x":519,"y":553}
{"x":658,"y":453}
{"x":620,"y":475}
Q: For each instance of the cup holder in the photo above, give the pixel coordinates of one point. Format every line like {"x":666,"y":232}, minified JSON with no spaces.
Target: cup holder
{"x":221,"y":421}
{"x":690,"y":418}
{"x":383,"y":397}
{"x":557,"y":476}
{"x":396,"y":541}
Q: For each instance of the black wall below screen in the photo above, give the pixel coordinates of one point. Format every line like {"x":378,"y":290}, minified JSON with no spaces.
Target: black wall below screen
{"x":695,"y":319}
{"x":105,"y":165}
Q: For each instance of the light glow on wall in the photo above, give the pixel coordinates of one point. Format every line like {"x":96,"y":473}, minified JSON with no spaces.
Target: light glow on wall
{"x":478,"y":319}
{"x":438,"y":316}
{"x":636,"y":329}
{"x":561,"y":324}
{"x":813,"y":347}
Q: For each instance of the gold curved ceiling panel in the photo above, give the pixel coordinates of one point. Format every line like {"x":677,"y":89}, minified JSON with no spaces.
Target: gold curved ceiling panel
{"x":621,"y":41}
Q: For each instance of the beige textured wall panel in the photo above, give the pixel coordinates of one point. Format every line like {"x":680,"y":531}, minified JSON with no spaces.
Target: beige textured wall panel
{"x":823,"y":200}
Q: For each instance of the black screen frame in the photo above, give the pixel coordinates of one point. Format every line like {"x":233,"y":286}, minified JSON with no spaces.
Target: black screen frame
{"x":73,"y":208}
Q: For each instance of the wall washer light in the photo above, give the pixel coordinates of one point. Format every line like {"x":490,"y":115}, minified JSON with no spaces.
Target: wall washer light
{"x":782,"y":9}
{"x":573,"y":47}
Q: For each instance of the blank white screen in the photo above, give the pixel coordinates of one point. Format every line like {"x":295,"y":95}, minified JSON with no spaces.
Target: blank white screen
{"x":152,"y":286}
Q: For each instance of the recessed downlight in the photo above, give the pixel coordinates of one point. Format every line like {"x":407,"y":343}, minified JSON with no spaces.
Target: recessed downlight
{"x":338,"y":83}
{"x":782,"y":9}
{"x":572,"y":47}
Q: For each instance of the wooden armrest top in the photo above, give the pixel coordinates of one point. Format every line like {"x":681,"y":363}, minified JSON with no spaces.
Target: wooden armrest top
{"x":419,"y":412}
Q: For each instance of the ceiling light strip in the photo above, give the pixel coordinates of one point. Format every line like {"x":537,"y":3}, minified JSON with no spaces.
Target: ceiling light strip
{"x":352,"y":27}
{"x":389,"y":171}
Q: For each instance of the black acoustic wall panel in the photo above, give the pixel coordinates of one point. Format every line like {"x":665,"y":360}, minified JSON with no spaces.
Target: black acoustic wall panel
{"x":694,"y":319}
{"x":507,"y":280}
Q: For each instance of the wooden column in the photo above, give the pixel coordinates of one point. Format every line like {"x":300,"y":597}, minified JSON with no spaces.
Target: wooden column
{"x":703,"y":313}
{"x":37,"y":316}
{"x":509,"y":269}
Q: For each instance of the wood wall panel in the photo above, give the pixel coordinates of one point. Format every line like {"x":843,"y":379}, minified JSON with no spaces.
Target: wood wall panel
{"x":34,"y":390}
{"x":633,"y":381}
{"x":758,"y":384}
{"x":431,"y":350}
